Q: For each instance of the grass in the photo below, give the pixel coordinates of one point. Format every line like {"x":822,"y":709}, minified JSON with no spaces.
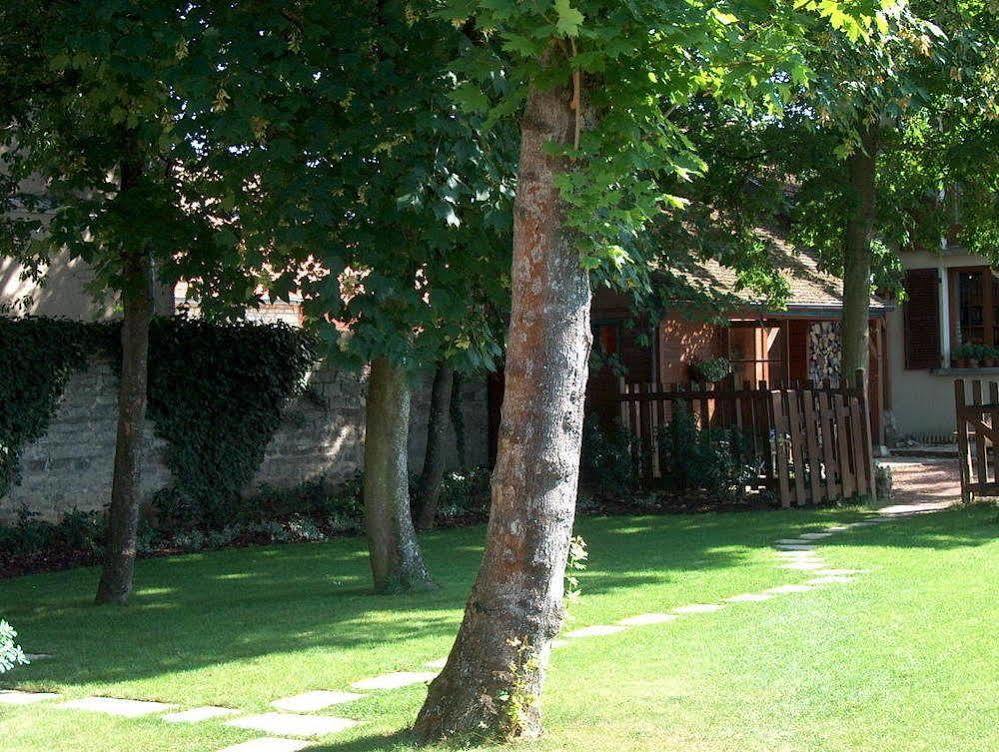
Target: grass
{"x":903,"y":659}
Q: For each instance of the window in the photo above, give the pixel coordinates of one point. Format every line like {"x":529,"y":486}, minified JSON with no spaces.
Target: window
{"x":974,"y":306}
{"x":757,"y":350}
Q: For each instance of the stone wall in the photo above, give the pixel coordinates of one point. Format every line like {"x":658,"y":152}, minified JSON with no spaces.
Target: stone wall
{"x":322,"y":434}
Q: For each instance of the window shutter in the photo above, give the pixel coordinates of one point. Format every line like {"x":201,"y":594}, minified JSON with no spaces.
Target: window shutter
{"x":922,"y":319}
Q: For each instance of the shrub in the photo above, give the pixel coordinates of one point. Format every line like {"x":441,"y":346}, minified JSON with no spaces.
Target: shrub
{"x":606,"y":462}
{"x":464,"y":495}
{"x":11,"y":654}
{"x":715,"y":461}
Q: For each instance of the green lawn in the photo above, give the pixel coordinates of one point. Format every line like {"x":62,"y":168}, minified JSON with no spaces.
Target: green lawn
{"x":905,"y":658}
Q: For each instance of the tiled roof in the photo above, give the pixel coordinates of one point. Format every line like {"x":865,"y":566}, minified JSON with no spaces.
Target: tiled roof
{"x":809,"y":286}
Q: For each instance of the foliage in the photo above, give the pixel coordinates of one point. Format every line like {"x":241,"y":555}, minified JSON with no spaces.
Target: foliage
{"x":11,"y":654}
{"x":712,"y":460}
{"x":216,"y":392}
{"x":975,"y":352}
{"x":464,"y":495}
{"x":37,"y":357}
{"x":91,"y":90}
{"x":605,"y":458}
{"x":362,"y":178}
{"x":712,"y":369}
{"x":575,"y":564}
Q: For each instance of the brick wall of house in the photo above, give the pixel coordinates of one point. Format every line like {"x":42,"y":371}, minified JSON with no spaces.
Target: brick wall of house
{"x":322,"y":433}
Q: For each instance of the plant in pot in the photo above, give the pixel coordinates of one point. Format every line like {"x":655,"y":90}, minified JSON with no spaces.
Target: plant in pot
{"x":711,"y":370}
{"x":962,"y":356}
{"x":990,"y":356}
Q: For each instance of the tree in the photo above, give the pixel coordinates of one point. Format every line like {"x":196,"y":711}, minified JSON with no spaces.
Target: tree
{"x":594,"y":84}
{"x":429,"y":485}
{"x":91,"y":103}
{"x":884,"y":139}
{"x":371,"y":191}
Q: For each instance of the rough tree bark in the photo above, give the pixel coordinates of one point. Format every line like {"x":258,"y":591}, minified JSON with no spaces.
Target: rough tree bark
{"x":862,"y":167}
{"x":492,"y":682}
{"x":429,"y":487}
{"x":396,"y":560}
{"x":123,"y":522}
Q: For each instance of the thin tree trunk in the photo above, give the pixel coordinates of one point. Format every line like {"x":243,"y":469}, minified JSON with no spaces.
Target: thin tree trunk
{"x":123,"y":523}
{"x":492,"y":682}
{"x":854,"y":331}
{"x":458,"y":420}
{"x":429,"y":488}
{"x":396,"y":560}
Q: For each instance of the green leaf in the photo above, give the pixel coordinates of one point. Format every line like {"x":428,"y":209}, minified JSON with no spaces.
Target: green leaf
{"x":569,"y":19}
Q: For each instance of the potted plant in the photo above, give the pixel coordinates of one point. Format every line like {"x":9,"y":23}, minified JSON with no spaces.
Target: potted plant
{"x":711,"y":370}
{"x":990,"y":357}
{"x":961,"y":357}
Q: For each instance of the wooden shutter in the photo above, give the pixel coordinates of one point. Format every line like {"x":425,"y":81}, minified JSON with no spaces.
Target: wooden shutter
{"x":922,"y":319}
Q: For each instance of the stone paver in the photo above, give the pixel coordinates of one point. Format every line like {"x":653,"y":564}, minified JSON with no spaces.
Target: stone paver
{"x":267,"y":744}
{"x":395,"y":680}
{"x":839,"y":572}
{"x":292,"y":724}
{"x":32,"y":657}
{"x":197,"y":715}
{"x":309,"y":702}
{"x":804,"y":565}
{"x":792,"y":542}
{"x":794,"y":547}
{"x":114,"y":706}
{"x":814,"y":536}
{"x":749,"y":598}
{"x":780,"y":589}
{"x":830,"y":580}
{"x":597,"y":630}
{"x":15,"y":697}
{"x":698,"y":608}
{"x":559,"y":643}
{"x":644,"y":619}
{"x":438,"y":664}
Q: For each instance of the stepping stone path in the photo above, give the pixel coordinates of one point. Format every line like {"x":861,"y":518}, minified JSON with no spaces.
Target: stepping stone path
{"x":598,"y":630}
{"x":780,"y":589}
{"x":698,"y":608}
{"x":267,"y":744}
{"x":293,"y":724}
{"x":395,"y":680}
{"x":644,"y":619}
{"x":438,"y":664}
{"x":113,"y":706}
{"x":196,"y":715}
{"x":15,"y":697}
{"x":32,"y":657}
{"x":748,"y":598}
{"x":831,"y":580}
{"x":312,"y":701}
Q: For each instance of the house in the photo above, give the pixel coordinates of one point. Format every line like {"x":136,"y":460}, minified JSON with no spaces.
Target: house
{"x":796,"y":342}
{"x":952,"y":300}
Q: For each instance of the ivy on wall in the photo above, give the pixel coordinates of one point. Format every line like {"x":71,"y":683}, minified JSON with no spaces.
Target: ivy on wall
{"x":37,"y":357}
{"x":215,"y":396}
{"x":216,"y":391}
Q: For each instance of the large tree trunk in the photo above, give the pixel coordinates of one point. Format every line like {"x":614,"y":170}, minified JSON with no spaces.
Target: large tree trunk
{"x":123,"y":523}
{"x":396,"y":561}
{"x":429,"y":488}
{"x":492,"y":682}
{"x":862,"y":167}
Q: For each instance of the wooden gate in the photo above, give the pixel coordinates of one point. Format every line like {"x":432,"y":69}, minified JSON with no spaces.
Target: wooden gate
{"x":977,"y":437}
{"x":809,"y":443}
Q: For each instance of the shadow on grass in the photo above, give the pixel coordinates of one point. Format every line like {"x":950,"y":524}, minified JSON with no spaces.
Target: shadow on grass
{"x":208,"y":609}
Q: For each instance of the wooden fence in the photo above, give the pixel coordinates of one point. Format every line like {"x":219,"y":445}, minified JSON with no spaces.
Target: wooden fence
{"x":977,"y":436}
{"x":808,"y":443}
